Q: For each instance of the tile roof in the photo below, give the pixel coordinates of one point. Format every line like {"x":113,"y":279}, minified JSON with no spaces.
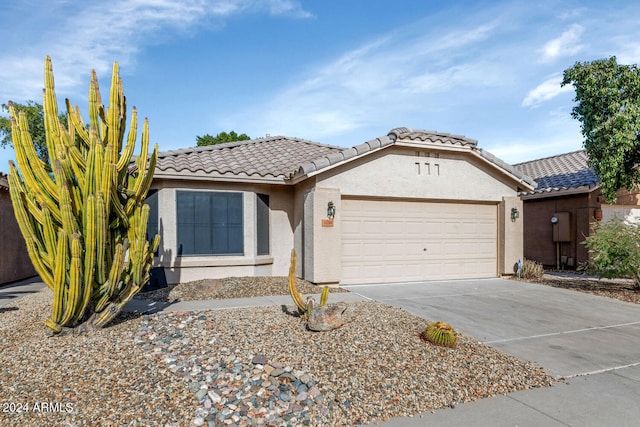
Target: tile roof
{"x":4,"y":181}
{"x":410,"y":135}
{"x":560,"y":173}
{"x":281,"y":158}
{"x":271,"y":157}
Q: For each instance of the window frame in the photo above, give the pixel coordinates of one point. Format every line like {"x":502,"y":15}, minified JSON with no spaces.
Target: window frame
{"x":230,"y":230}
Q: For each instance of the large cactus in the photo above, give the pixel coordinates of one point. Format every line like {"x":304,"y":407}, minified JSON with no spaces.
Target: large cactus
{"x":82,"y":213}
{"x":304,"y":309}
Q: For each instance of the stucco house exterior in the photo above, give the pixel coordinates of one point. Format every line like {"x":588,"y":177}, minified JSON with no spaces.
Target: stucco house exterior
{"x":14,"y":259}
{"x":410,"y":205}
{"x":569,"y":191}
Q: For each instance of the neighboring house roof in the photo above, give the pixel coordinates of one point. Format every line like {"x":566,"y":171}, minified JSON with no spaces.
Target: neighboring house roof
{"x":559,"y":175}
{"x":282,"y":159}
{"x":4,"y":181}
{"x":274,"y":157}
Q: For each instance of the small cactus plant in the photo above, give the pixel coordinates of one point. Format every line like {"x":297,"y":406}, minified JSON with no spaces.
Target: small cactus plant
{"x":304,"y":309}
{"x":440,"y":333}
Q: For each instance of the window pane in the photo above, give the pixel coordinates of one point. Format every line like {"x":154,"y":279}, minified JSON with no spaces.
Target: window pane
{"x":262,"y":223}
{"x":210,"y":223}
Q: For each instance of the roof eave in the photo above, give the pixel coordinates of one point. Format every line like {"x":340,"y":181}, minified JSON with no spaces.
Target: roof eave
{"x":549,"y":193}
{"x":240,"y":178}
{"x":522,"y":180}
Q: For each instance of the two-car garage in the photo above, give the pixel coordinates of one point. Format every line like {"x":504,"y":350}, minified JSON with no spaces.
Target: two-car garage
{"x":389,"y":240}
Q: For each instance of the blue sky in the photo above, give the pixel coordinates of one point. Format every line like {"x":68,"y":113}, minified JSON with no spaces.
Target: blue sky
{"x":335,"y":72}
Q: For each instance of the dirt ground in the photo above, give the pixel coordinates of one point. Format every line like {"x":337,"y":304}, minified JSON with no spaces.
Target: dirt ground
{"x":621,"y":289}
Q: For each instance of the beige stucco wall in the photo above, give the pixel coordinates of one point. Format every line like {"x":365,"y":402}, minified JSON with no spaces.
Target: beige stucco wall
{"x":322,"y":243}
{"x":14,"y":259}
{"x":187,"y":268}
{"x":510,"y":235}
{"x":297,"y":211}
{"x":412,"y":173}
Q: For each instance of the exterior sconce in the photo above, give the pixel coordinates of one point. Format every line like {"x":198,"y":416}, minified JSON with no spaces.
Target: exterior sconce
{"x":515,"y":214}
{"x":331,"y":210}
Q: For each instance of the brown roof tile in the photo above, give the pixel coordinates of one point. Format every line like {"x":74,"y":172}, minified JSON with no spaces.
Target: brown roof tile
{"x":284,"y":158}
{"x":405,"y":134}
{"x":561,"y":172}
{"x":275,"y":157}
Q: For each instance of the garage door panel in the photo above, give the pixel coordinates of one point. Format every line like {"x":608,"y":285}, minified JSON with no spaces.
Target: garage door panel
{"x":387,"y":241}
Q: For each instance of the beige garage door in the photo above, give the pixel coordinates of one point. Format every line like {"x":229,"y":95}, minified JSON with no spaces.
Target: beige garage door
{"x":399,"y":241}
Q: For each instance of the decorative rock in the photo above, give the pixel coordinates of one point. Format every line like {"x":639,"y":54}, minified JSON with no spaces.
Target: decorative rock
{"x":277,"y":372}
{"x":259,"y":359}
{"x":326,"y":318}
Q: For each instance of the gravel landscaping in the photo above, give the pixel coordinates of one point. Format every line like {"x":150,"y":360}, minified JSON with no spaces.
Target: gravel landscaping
{"x":254,"y":366}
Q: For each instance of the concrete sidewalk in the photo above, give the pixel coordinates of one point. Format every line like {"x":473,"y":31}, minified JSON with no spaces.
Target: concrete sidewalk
{"x":148,"y":307}
{"x":593,"y":342}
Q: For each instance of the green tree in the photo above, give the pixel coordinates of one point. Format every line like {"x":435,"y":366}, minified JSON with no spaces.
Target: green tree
{"x":35,"y":117}
{"x":614,"y":250}
{"x":221,"y":138}
{"x":608,"y":108}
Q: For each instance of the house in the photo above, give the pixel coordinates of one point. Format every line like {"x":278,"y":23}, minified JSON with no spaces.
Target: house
{"x":14,"y":259}
{"x":410,"y":205}
{"x":559,"y":212}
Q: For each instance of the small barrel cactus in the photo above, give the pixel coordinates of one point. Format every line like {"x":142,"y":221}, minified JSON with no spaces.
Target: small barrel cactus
{"x":440,"y":333}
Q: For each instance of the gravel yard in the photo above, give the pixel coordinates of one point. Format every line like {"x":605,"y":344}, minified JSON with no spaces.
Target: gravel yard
{"x":254,"y":366}
{"x":231,"y":287}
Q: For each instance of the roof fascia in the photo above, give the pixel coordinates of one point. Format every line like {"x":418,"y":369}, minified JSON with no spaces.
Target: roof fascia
{"x":220,"y":178}
{"x":542,"y":194}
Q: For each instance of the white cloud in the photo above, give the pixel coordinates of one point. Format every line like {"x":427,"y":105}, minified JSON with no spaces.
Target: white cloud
{"x":567,"y":44}
{"x":93,"y":35}
{"x":545,"y":91}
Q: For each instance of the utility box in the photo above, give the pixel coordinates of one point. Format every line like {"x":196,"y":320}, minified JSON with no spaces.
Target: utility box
{"x":561,"y":226}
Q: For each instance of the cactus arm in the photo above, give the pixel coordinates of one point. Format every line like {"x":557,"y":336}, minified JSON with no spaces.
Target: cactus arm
{"x":293,"y":287}
{"x":73,"y":298}
{"x":75,"y":119}
{"x":324,"y":296}
{"x":94,"y":103}
{"x":26,"y":226}
{"x":49,"y":236}
{"x":125,"y":158}
{"x":50,"y":111}
{"x":26,"y":155}
{"x":101,"y":239}
{"x":98,"y":166}
{"x":59,"y":276}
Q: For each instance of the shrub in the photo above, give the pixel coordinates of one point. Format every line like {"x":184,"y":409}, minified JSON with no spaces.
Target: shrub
{"x":614,"y":250}
{"x":531,"y":270}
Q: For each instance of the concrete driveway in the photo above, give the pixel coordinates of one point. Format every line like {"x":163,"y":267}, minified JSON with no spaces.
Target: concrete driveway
{"x":11,"y":291}
{"x":593,"y":342}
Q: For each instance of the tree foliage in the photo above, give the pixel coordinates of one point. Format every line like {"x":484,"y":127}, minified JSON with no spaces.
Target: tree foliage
{"x":614,"y":250}
{"x":608,"y":108}
{"x":35,"y":118}
{"x":221,"y":138}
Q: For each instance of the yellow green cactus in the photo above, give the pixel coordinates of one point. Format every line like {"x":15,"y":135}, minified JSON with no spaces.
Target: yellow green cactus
{"x":440,"y":333}
{"x":304,"y":309}
{"x":82,"y":212}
